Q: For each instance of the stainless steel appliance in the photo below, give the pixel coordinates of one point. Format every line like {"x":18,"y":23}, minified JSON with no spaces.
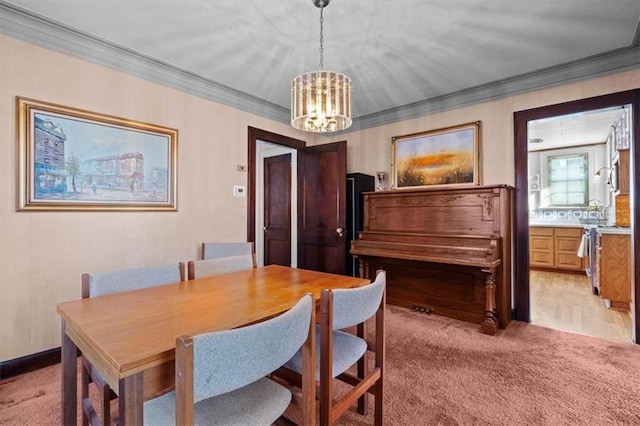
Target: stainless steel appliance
{"x":592,"y":266}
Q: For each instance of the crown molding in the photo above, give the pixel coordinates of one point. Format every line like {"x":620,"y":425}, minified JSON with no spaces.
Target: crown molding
{"x":616,"y":61}
{"x":40,"y":31}
{"x":52,"y":35}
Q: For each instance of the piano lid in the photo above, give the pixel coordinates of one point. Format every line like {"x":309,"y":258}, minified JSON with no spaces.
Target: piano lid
{"x":469,"y":211}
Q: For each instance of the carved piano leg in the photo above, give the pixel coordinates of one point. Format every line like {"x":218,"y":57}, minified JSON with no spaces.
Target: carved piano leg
{"x":364,"y":267}
{"x":490,"y":324}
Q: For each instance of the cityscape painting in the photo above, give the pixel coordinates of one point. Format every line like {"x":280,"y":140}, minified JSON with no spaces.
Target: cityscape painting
{"x":443,"y":157}
{"x":72,"y":159}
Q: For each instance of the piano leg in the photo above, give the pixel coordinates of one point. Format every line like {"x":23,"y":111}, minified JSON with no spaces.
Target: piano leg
{"x":364,"y":267}
{"x":490,"y":324}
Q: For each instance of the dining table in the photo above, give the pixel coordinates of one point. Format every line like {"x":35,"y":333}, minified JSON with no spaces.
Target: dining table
{"x":130,"y":337}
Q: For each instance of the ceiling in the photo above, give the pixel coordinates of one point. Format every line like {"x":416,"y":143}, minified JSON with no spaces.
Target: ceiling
{"x":584,"y":128}
{"x":398,"y":53}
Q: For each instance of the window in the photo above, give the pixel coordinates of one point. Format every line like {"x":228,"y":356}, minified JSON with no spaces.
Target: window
{"x":568,"y":180}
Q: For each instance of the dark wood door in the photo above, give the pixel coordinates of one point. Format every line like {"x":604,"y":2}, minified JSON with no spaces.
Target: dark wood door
{"x":322,"y":175}
{"x":277,"y":210}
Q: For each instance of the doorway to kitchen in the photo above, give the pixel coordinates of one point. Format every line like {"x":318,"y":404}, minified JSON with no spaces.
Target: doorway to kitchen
{"x":567,"y":202}
{"x":549,"y":175}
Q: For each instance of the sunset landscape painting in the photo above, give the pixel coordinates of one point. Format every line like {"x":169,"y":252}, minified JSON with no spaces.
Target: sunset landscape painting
{"x":448,"y":156}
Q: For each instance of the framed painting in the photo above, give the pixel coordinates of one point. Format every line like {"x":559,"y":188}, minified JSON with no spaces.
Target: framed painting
{"x":72,"y":159}
{"x":447,"y":157}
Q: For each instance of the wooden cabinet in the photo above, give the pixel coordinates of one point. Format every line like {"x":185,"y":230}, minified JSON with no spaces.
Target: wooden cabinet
{"x":555,"y":248}
{"x":566,"y":242}
{"x":614,"y":268}
{"x":623,"y":172}
{"x":541,"y":247}
{"x":622,"y":202}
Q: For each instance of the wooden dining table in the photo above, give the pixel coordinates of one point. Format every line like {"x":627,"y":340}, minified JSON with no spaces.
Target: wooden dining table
{"x":130,"y":337}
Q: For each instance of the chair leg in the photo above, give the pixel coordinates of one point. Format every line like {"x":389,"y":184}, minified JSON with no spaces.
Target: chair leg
{"x":363,"y":370}
{"x":86,"y":379}
{"x":325,"y":396}
{"x":105,"y":397}
{"x":89,"y":415}
{"x":380,"y":361}
{"x":379,"y":413}
{"x":106,"y":405}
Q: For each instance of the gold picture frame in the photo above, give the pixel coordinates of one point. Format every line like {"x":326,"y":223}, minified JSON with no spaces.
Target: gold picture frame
{"x":446,"y":157}
{"x":71,"y":159}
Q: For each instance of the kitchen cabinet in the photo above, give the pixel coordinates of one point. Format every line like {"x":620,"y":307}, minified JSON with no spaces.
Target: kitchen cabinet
{"x":614,"y":269}
{"x":619,"y":142}
{"x":541,"y":247}
{"x":622,"y":163}
{"x":555,"y":248}
{"x":566,"y":242}
{"x":623,"y":185}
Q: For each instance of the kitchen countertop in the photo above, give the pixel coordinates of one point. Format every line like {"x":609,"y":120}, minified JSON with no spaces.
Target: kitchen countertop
{"x":614,"y":230}
{"x":601,"y":229}
{"x":549,"y":224}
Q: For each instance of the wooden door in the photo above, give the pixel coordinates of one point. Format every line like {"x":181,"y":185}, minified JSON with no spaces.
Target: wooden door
{"x":277,"y":210}
{"x":322,"y":176}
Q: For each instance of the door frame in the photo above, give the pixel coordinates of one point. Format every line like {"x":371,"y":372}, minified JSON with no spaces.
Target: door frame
{"x":522,"y":306}
{"x":254,"y":135}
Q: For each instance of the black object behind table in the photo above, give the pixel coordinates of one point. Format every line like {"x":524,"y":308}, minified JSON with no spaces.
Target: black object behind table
{"x":357,"y":183}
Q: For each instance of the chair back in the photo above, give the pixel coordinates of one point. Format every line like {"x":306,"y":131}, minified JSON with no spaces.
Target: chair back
{"x":222,"y":265}
{"x":227,"y":360}
{"x":216,"y":250}
{"x":353,"y":306}
{"x":104,"y":283}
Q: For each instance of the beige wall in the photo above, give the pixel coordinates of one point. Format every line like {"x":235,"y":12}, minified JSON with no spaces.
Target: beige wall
{"x":370,"y":150}
{"x":42,"y":255}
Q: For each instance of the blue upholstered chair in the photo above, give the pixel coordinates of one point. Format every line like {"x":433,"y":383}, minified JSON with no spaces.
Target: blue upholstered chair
{"x":220,"y":376}
{"x":222,"y":265}
{"x":216,"y":250}
{"x":338,"y":350}
{"x":220,"y":258}
{"x":102,"y":284}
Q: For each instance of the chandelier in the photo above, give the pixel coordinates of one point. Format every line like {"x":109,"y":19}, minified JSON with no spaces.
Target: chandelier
{"x":321,"y":100}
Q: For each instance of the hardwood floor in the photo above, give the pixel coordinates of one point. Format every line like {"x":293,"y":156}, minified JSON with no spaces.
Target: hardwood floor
{"x":565,"y":302}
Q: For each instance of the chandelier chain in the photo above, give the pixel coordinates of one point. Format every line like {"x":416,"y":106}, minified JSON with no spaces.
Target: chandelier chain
{"x":321,"y":38}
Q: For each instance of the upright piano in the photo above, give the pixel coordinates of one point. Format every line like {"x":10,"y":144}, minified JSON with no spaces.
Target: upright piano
{"x":446,"y":251}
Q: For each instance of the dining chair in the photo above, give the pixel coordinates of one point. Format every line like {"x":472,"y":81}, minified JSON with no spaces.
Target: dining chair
{"x":337,"y":350}
{"x":102,"y":284}
{"x":221,"y":265}
{"x":221,"y":375}
{"x":216,"y":250}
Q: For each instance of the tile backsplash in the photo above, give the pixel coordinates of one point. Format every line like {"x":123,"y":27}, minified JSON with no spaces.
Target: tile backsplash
{"x":569,"y":215}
